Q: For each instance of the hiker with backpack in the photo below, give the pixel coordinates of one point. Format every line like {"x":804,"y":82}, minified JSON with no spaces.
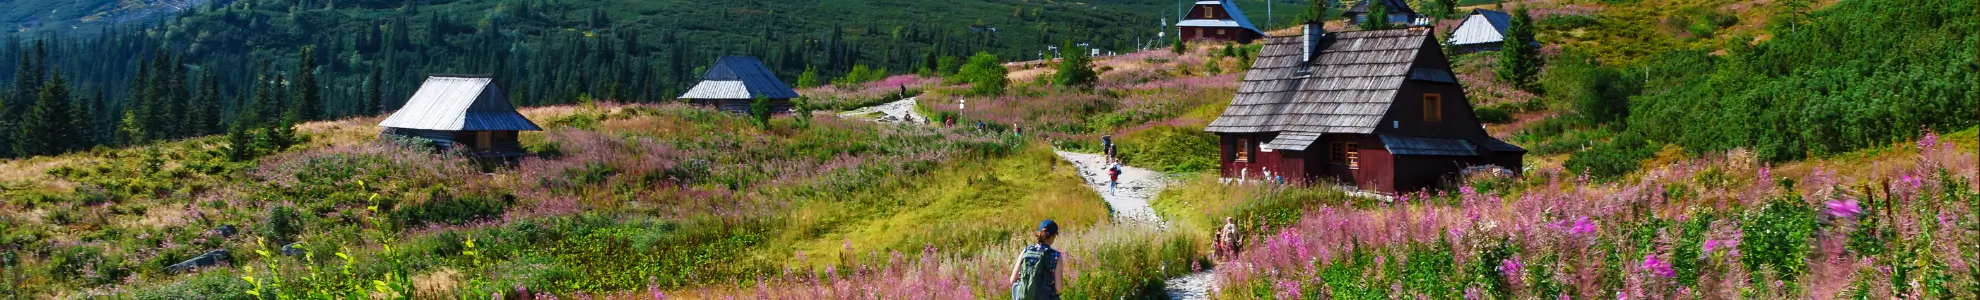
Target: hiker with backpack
{"x":1036,"y":275}
{"x":1113,"y":177}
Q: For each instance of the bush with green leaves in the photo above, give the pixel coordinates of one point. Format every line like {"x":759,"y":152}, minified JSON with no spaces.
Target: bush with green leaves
{"x":1608,"y":160}
{"x":985,"y":74}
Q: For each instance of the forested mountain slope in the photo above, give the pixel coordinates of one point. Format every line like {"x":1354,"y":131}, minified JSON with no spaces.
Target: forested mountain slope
{"x":83,"y":16}
{"x":367,"y":55}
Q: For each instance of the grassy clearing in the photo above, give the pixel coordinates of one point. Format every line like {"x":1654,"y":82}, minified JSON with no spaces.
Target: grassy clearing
{"x":964,"y":205}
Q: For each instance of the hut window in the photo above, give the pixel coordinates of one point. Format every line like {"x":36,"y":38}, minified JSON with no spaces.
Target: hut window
{"x":1209,"y":13}
{"x":1353,"y":156}
{"x":1220,"y":32}
{"x":1346,"y":153}
{"x":1433,"y":108}
{"x":1199,"y":32}
{"x":1243,"y":150}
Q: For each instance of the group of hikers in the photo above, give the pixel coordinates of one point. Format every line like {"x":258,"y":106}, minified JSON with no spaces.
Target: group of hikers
{"x":1035,"y":275}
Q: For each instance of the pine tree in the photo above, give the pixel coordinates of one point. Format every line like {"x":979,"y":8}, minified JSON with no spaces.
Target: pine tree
{"x":134,"y":127}
{"x":308,"y":103}
{"x":374,"y":99}
{"x":205,"y":107}
{"x":1447,"y":9}
{"x":45,"y":129}
{"x":1519,"y":60}
{"x":1178,"y":47}
{"x":1377,"y":17}
{"x":1076,"y":69}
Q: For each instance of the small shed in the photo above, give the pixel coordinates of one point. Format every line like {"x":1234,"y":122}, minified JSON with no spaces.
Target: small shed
{"x":1484,"y":30}
{"x":1399,"y":11}
{"x":1217,"y":20}
{"x":734,"y":82}
{"x":462,"y":111}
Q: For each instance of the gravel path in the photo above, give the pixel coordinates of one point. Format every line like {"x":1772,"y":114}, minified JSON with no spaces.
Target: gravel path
{"x":890,"y":112}
{"x":1128,"y":200}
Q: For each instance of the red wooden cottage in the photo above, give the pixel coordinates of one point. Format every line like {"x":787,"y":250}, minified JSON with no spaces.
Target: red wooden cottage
{"x":1217,"y":20}
{"x":1376,"y":109}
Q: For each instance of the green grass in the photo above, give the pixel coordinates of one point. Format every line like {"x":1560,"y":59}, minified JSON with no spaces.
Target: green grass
{"x":965,"y":205}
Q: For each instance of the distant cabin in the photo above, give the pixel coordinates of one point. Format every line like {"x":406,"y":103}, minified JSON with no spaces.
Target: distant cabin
{"x":734,"y":82}
{"x":1399,"y":12}
{"x":1484,"y":30}
{"x":463,"y":110}
{"x":1376,"y":109}
{"x":1217,"y":20}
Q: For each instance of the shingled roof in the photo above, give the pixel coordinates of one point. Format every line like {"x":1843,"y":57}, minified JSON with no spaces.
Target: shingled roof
{"x":740,"y":77}
{"x":459,"y":103}
{"x":1353,"y":80}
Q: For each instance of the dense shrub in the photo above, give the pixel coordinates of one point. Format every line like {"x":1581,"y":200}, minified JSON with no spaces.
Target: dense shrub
{"x":443,"y":208}
{"x":1777,"y":237}
{"x":985,"y":75}
{"x":1611,"y":159}
{"x":281,"y":225}
{"x":1171,"y":149}
{"x":1492,"y":115}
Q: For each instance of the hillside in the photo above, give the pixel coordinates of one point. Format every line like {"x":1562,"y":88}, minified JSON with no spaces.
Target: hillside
{"x":84,"y":17}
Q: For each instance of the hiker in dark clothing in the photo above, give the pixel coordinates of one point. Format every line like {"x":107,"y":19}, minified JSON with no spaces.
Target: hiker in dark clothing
{"x":1036,"y":275}
{"x":1107,"y":145}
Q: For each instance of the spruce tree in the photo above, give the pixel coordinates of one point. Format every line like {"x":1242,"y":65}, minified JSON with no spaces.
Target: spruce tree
{"x":46,"y":127}
{"x":374,"y":99}
{"x":1076,"y":69}
{"x":307,"y":106}
{"x":134,"y":126}
{"x":1519,"y":60}
{"x":1377,"y":17}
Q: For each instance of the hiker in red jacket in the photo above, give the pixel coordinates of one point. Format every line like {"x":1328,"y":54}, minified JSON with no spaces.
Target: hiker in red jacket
{"x":1113,"y":178}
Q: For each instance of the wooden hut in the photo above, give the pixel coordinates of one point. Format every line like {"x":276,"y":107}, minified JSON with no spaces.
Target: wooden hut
{"x":1376,"y":109}
{"x":464,"y":110}
{"x":1399,"y":12}
{"x":1484,"y":30}
{"x":734,"y":82}
{"x":1217,"y":20}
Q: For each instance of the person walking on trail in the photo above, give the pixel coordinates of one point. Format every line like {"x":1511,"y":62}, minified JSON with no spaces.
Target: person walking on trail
{"x":1113,"y":177}
{"x":1036,"y":275}
{"x":1018,"y":129}
{"x":1226,"y":239}
{"x":1107,"y":146}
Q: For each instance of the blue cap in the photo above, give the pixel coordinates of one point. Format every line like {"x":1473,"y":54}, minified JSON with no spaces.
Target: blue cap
{"x":1048,"y":226}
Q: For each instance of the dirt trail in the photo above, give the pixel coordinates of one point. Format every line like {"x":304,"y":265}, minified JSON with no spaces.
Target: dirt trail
{"x":1128,"y":200}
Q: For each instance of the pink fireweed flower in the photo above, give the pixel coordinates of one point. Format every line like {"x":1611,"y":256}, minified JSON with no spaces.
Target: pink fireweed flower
{"x":1658,"y":267}
{"x":1582,"y":226}
{"x":1288,"y":289}
{"x":1913,"y":181}
{"x":1847,"y":209}
{"x":1511,"y":268}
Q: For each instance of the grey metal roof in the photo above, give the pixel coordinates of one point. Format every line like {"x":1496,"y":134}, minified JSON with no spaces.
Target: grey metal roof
{"x":1394,"y":6}
{"x":459,"y":103}
{"x":1292,"y":141}
{"x":1407,"y":145}
{"x":1484,"y":26}
{"x":1432,"y":74}
{"x":1231,"y":11}
{"x":1351,"y":83}
{"x":740,"y":77}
